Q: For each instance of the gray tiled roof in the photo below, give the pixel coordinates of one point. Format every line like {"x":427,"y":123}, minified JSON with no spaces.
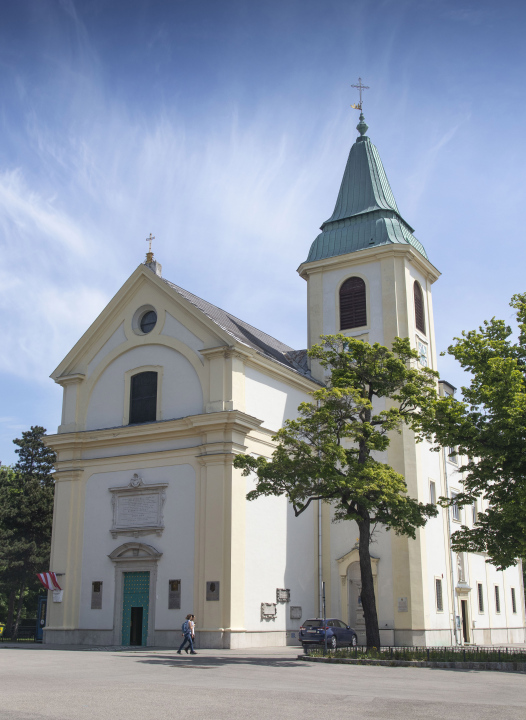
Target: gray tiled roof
{"x":243,"y":332}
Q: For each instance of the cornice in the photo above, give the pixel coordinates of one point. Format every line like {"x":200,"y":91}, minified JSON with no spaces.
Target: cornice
{"x":226,"y":420}
{"x":369,"y":255}
{"x":72,"y":379}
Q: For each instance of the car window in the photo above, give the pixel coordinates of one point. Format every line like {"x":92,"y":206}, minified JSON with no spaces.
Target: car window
{"x":313,"y":623}
{"x":342,"y":624}
{"x":332,"y":623}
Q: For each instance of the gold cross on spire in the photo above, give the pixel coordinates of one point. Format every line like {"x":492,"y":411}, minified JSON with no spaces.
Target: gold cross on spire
{"x":149,"y":254}
{"x":359,"y":87}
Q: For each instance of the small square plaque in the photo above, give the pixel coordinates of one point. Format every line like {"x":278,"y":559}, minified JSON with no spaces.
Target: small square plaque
{"x":282,"y":595}
{"x":402,"y":604}
{"x":212,"y":590}
{"x":269,"y":610}
{"x":174,"y":595}
{"x":295,"y":612}
{"x":96,"y":595}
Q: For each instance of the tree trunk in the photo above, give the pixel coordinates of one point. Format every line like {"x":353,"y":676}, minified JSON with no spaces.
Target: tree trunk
{"x":10,"y":613}
{"x":19,"y":611}
{"x":372,"y":631}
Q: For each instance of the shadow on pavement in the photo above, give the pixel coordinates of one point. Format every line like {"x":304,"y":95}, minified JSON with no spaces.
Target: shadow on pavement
{"x":210,"y":662}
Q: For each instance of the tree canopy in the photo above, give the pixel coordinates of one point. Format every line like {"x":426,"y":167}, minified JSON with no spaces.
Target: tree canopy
{"x":488,"y":427}
{"x":330,"y":452}
{"x":26,"y":515}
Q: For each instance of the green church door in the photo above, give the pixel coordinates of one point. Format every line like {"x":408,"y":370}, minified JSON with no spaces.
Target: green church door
{"x":135,"y":606}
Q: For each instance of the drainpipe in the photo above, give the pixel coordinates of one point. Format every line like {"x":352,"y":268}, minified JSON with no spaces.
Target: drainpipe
{"x":451,"y":559}
{"x":320,"y":568}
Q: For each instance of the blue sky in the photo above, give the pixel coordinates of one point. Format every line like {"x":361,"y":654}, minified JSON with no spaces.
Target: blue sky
{"x":224,"y":128}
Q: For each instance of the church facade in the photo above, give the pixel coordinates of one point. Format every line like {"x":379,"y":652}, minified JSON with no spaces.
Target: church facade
{"x":151,"y":520}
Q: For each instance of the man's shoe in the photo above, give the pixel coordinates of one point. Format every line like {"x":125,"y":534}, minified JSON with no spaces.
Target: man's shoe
{"x":178,"y":652}
{"x":193,"y":652}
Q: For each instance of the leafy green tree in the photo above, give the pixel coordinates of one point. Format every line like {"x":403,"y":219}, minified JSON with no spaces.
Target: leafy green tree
{"x":489,"y":428}
{"x":26,"y":514}
{"x":327,"y":453}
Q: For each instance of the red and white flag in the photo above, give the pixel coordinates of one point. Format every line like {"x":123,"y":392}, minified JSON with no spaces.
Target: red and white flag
{"x":49,"y":580}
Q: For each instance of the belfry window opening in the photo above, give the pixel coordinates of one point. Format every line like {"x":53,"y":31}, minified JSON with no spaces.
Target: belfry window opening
{"x":420,"y":319}
{"x":353,"y":305}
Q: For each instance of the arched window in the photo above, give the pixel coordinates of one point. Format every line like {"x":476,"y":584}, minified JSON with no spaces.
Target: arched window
{"x":419,"y":308}
{"x":143,"y":397}
{"x":353,"y":309}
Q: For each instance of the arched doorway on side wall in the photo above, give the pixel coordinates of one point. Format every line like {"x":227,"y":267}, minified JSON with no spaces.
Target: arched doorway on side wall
{"x":351,"y":586}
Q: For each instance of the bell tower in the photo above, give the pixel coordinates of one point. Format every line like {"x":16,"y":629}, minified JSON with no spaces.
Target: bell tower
{"x":369,"y":277}
{"x":367,"y":238}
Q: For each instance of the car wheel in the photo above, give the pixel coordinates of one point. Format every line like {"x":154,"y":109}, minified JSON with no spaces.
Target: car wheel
{"x":333,"y":643}
{"x":354,"y":641}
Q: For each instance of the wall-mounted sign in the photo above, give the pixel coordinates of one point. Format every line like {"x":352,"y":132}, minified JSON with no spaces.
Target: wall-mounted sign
{"x":282,"y":595}
{"x":269,"y":610}
{"x":295,"y":612}
{"x":138,"y":508}
{"x":212,"y":590}
{"x":402,"y":604}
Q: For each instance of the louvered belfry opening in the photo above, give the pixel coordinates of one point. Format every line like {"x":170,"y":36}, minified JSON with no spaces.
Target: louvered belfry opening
{"x":143,"y":397}
{"x":353,"y":308}
{"x":419,"y":308}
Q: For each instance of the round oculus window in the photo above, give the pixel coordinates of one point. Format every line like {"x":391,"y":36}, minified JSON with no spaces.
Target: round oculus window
{"x":148,"y":321}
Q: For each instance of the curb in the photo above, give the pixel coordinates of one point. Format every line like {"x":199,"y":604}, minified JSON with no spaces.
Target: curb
{"x":449,"y":665}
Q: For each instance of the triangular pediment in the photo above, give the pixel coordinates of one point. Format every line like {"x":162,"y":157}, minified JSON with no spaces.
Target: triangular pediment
{"x":177,"y":317}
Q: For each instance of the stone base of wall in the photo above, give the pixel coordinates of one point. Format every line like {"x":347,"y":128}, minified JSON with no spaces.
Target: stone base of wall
{"x":205,"y":639}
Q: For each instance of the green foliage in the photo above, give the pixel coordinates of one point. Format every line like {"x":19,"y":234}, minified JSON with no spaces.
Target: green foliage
{"x":327,"y":452}
{"x":489,"y":428}
{"x":26,"y":514}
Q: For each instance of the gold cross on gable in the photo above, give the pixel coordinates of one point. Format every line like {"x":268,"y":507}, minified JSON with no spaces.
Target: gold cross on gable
{"x":149,"y":240}
{"x":359,"y":87}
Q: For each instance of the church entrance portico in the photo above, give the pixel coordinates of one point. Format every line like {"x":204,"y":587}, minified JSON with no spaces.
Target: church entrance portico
{"x":135,"y":585}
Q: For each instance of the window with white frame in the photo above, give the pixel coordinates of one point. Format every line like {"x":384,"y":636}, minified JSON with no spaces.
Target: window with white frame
{"x":513,"y":601}
{"x":455,"y":510}
{"x":497,"y":599}
{"x":438,"y":595}
{"x":475,"y":512}
{"x":432,"y":492}
{"x":480,"y":597}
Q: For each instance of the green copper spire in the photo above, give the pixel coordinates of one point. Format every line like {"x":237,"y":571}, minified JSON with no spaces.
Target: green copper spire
{"x":366,"y":213}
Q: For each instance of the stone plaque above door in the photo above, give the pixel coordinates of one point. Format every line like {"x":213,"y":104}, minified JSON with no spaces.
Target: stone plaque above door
{"x":138,"y":508}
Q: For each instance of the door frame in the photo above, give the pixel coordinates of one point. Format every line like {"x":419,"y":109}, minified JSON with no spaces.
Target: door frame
{"x":134,"y":557}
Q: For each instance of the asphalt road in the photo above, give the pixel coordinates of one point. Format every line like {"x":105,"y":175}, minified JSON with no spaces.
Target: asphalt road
{"x":264,"y":683}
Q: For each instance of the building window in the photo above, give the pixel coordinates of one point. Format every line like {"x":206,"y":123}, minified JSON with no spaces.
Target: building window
{"x":438,"y":595}
{"x":480,"y":597}
{"x":96,"y":595}
{"x":475,"y":513}
{"x":513,"y":601}
{"x":452,"y":455}
{"x":143,"y":397}
{"x":455,"y":510}
{"x":419,"y":308}
{"x":353,"y":307}
{"x":497,"y":599}
{"x":432,"y":492}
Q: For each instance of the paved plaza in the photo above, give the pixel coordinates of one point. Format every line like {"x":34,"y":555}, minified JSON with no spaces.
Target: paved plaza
{"x":154,"y":684}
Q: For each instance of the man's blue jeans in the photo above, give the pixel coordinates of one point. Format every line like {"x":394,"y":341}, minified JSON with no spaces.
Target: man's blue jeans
{"x":187,"y":639}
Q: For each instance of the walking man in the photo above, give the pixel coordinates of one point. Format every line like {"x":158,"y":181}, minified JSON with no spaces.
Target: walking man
{"x":188,"y":636}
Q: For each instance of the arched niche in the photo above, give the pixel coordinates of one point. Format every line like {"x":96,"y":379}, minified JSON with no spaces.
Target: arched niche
{"x":349,"y":571}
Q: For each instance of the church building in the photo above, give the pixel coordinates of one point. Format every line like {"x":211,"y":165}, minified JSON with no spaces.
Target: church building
{"x":151,"y":520}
